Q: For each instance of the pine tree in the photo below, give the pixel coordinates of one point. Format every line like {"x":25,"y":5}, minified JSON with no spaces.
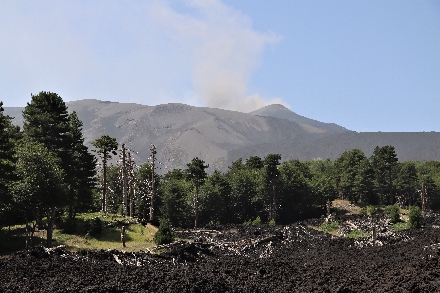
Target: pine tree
{"x":82,"y":170}
{"x":7,"y":161}
{"x":384,"y":161}
{"x":46,"y":121}
{"x":106,"y":146}
{"x":196,"y":173}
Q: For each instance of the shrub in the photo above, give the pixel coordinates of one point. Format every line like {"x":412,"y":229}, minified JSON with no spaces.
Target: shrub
{"x":95,"y":226}
{"x":164,"y":234}
{"x":257,"y":221}
{"x":394,"y":211}
{"x":415,"y":217}
{"x":247,"y":223}
{"x":363,"y":211}
{"x":272,"y":222}
{"x":371,"y":210}
{"x":69,"y":226}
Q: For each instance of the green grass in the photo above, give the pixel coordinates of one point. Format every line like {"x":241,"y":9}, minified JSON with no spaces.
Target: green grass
{"x":400,"y":226}
{"x":137,"y":237}
{"x":357,"y":234}
{"x":328,"y":227}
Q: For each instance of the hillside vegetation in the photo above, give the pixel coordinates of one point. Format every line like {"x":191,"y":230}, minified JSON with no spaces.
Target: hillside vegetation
{"x":51,"y":179}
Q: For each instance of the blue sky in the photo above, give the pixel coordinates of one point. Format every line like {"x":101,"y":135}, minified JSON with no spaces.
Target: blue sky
{"x":365,"y":65}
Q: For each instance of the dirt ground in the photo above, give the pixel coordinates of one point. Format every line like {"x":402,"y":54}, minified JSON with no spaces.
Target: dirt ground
{"x":293,"y":258}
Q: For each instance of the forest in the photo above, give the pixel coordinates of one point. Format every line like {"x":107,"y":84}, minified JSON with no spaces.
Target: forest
{"x":48,"y":175}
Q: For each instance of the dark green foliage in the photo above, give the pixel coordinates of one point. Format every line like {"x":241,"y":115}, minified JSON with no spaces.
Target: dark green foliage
{"x":407,"y":183}
{"x":177,"y":202}
{"x":245,"y":202}
{"x":81,"y":172}
{"x":214,"y":199}
{"x":175,"y":174}
{"x":415,"y":217}
{"x":384,"y":161}
{"x":254,"y":162}
{"x":429,"y":182}
{"x":7,"y":161}
{"x":69,"y":226}
{"x":296,"y":196}
{"x":394,"y":212}
{"x":196,"y":171}
{"x":96,"y":226}
{"x":352,"y":181}
{"x":46,"y":121}
{"x":236,"y":166}
{"x":323,"y":178}
{"x":197,"y":174}
{"x":40,"y":188}
{"x":106,"y":146}
{"x":164,"y":234}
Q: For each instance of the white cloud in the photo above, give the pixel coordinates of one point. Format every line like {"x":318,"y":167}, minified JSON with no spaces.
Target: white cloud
{"x":199,"y":52}
{"x":225,"y":52}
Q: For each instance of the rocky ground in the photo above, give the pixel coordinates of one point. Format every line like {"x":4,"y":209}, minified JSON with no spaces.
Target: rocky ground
{"x":292,"y":258}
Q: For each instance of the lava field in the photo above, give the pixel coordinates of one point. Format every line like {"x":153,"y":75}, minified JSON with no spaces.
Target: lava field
{"x":293,"y":258}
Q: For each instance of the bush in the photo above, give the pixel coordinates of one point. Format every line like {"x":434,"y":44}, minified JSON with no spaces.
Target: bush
{"x":272,"y":223}
{"x":415,"y":217}
{"x":257,"y":221}
{"x":164,"y":234}
{"x":95,"y":226}
{"x":363,"y":211}
{"x":69,"y":226}
{"x":371,"y":210}
{"x":394,"y":211}
{"x":247,"y":223}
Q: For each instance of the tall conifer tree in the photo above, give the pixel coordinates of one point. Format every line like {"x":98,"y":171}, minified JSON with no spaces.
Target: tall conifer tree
{"x":7,"y":160}
{"x":47,"y":121}
{"x":81,"y":171}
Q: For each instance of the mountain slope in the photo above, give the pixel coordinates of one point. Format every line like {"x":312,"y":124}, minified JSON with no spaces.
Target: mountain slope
{"x":182,"y":132}
{"x":279,"y":111}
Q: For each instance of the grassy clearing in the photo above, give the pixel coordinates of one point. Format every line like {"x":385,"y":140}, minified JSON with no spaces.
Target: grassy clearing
{"x":357,"y":234}
{"x":400,"y":226}
{"x":137,"y":237}
{"x":328,"y":227}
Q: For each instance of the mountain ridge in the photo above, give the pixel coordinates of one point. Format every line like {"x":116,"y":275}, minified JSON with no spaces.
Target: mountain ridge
{"x":280,"y":111}
{"x":219,"y":137}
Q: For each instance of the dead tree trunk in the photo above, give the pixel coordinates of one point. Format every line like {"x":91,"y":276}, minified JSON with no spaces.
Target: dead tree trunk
{"x":153,"y":184}
{"x":124,"y":180}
